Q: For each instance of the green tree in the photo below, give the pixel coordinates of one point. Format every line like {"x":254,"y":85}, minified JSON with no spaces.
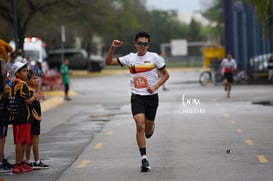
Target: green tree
{"x":215,"y":14}
{"x":264,"y":12}
{"x":26,"y":11}
{"x":106,"y":19}
{"x":84,"y":19}
{"x":164,"y":26}
{"x":195,"y":31}
{"x":128,"y":17}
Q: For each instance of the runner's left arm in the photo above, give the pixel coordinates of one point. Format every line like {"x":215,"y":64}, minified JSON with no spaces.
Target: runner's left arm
{"x":165,"y":76}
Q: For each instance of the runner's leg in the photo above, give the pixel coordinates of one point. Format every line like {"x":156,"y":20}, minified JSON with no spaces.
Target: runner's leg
{"x":140,"y":130}
{"x":149,"y":127}
{"x":228,"y":90}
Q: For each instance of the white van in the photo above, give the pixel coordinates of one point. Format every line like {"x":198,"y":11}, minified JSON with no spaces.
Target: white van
{"x":34,"y":48}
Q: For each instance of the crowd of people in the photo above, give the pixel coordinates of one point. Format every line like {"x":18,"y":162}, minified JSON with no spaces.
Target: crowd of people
{"x":20,"y":98}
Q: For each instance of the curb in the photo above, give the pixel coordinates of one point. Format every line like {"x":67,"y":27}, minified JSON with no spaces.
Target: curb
{"x":51,"y":103}
{"x":55,"y":99}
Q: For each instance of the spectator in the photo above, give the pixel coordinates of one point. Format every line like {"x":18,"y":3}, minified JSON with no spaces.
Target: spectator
{"x":65,"y":78}
{"x":20,"y":116}
{"x":270,"y":68}
{"x":4,"y":120}
{"x":20,"y":57}
{"x":33,"y":82}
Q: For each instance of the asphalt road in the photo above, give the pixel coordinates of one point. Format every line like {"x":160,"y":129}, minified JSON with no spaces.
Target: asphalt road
{"x":200,"y":135}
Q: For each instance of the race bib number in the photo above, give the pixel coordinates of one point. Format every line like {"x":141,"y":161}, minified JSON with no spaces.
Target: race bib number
{"x":140,"y":82}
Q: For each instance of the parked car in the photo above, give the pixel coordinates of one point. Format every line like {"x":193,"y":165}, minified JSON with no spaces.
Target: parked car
{"x":96,"y":63}
{"x":78,"y":58}
{"x":259,"y":63}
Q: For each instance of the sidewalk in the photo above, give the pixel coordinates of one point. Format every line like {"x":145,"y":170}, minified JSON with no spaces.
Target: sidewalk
{"x":54,"y":99}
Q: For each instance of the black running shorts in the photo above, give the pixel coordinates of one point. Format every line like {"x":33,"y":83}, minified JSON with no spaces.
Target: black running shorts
{"x":3,"y":130}
{"x":35,"y":127}
{"x":229,"y":77}
{"x":144,"y":104}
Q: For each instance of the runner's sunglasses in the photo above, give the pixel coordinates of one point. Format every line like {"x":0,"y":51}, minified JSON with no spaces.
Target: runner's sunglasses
{"x":140,"y":43}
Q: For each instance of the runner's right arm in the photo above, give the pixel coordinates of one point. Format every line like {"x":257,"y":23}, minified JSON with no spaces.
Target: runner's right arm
{"x":109,"y":60}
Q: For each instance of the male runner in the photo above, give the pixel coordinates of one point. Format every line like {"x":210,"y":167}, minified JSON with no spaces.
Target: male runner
{"x":144,"y":81}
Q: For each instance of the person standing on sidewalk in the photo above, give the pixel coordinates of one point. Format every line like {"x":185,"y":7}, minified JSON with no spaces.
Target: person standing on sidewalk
{"x":5,"y":51}
{"x":144,"y":81}
{"x":228,"y":66}
{"x":20,"y":115}
{"x":270,"y":68}
{"x":65,"y":78}
{"x":20,"y":56}
{"x":4,"y":120}
{"x":33,"y":82}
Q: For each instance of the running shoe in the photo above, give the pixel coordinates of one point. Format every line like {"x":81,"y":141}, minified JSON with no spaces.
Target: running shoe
{"x":40,"y":165}
{"x":4,"y":168}
{"x":145,"y":167}
{"x":26,"y":167}
{"x":29,"y":163}
{"x":17,"y":169}
{"x":6,"y":163}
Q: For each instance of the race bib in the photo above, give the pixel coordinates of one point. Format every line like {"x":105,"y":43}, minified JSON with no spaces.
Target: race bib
{"x":140,"y":82}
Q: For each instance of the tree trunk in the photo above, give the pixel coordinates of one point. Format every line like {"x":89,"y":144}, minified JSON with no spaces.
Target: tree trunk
{"x":21,"y":36}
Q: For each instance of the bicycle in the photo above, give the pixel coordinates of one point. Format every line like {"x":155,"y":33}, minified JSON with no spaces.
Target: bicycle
{"x":211,"y":76}
{"x":241,"y":77}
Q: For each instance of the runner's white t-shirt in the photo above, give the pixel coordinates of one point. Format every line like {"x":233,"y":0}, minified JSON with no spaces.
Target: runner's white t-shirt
{"x":143,"y":71}
{"x":227,"y":65}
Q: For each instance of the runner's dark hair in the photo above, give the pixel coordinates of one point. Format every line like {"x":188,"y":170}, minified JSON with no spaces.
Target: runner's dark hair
{"x":143,"y":35}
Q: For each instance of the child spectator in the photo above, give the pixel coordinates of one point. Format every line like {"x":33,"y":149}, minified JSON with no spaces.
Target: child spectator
{"x":33,"y":82}
{"x":38,"y":69}
{"x":65,"y":78}
{"x":20,"y":115}
{"x":3,"y":128}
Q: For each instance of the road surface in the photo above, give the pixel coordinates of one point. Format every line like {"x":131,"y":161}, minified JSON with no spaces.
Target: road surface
{"x":200,"y":135}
